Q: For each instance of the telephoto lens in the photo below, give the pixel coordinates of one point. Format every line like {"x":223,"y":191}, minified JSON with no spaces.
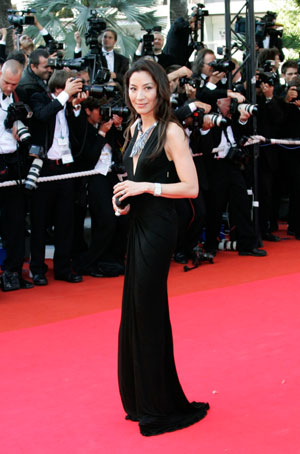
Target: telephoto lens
{"x":33,"y":174}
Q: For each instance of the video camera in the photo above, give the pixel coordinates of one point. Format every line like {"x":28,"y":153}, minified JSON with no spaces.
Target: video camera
{"x":263,"y":26}
{"x":266,"y":26}
{"x":199,"y":14}
{"x":17,"y":18}
{"x":96,"y":25}
{"x":148,"y":41}
{"x":222,"y":65}
{"x":18,"y":112}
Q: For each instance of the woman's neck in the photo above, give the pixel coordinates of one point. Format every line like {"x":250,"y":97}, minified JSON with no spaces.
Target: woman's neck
{"x":147,"y":121}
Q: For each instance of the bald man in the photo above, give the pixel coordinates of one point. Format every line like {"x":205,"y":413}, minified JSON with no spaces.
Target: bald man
{"x":12,"y":199}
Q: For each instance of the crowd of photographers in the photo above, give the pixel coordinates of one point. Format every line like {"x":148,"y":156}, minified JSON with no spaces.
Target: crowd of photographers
{"x":61,"y":117}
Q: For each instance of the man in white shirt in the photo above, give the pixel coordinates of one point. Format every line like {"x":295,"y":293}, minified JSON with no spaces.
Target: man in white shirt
{"x":12,"y":199}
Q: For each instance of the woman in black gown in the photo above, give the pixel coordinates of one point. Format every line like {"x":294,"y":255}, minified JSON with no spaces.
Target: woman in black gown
{"x":160,"y":168}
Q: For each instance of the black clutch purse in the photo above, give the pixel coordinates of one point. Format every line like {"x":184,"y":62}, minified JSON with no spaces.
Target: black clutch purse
{"x":10,"y":281}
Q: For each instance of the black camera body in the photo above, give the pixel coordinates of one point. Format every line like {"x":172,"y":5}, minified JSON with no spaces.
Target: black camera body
{"x":193,"y":81}
{"x":148,"y":41}
{"x":17,"y":111}
{"x":199,"y":12}
{"x":54,"y":46}
{"x":222,"y":65}
{"x":236,"y":154}
{"x":266,"y":77}
{"x":97,"y":90}
{"x":107,"y":111}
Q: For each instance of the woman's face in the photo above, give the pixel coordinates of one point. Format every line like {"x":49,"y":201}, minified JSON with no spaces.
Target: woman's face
{"x":142,"y":92}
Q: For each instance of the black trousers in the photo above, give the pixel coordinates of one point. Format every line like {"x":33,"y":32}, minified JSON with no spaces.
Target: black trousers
{"x":13,"y":206}
{"x":294,"y":180}
{"x":109,"y":232}
{"x":52,"y":204}
{"x":227,"y":185}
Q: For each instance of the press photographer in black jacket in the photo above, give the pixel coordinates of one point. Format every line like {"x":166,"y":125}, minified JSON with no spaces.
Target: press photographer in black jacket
{"x":53,"y":202}
{"x":99,"y":138}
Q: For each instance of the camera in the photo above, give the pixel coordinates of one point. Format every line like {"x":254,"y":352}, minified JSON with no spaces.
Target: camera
{"x":236,"y":154}
{"x":148,"y":41}
{"x":96,"y":25}
{"x":235,"y":107}
{"x":269,"y":66}
{"x":54,"y":47}
{"x":217,"y":120}
{"x":264,"y":26}
{"x":296,"y":84}
{"x":72,"y":63}
{"x":198,"y":11}
{"x":17,"y":18}
{"x":33,"y":174}
{"x":108,"y":110}
{"x":97,"y":91}
{"x":18,"y":112}
{"x":193,"y":82}
{"x":266,"y":77}
{"x":222,"y":65}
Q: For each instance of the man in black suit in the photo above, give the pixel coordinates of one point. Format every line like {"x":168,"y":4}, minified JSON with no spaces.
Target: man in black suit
{"x":179,"y":42}
{"x":35,"y":76}
{"x":12,"y":199}
{"x":156,"y":52}
{"x":53,"y":201}
{"x":227,"y":184}
{"x":100,"y":142}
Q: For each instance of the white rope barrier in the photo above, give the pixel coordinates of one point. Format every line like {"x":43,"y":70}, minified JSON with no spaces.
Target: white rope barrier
{"x":65,"y":176}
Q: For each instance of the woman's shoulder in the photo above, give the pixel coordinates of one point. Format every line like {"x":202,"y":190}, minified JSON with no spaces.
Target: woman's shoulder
{"x":174,"y":130}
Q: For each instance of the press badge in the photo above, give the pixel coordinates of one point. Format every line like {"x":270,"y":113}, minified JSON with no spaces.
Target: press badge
{"x":63,"y":141}
{"x":67,"y":157}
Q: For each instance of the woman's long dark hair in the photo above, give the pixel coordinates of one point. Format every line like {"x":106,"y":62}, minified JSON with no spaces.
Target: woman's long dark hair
{"x":163,"y":112}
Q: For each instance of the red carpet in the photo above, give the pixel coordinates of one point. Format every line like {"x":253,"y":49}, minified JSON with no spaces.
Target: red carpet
{"x":236,"y":346}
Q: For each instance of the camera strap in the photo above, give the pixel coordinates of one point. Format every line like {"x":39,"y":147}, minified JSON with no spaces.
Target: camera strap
{"x":222,"y":150}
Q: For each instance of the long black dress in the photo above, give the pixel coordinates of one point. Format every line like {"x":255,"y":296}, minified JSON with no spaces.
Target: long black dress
{"x":149,"y":386}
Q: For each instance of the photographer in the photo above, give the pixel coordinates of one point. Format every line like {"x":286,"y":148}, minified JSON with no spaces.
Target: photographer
{"x":35,"y":76}
{"x":53,"y":201}
{"x":100,"y":138}
{"x":110,"y":59}
{"x":179,"y":43}
{"x":268,"y":60}
{"x":289,"y":70}
{"x":12,"y":199}
{"x":291,"y":128}
{"x":268,"y":35}
{"x":226,"y":182}
{"x":270,"y":122}
{"x":213,"y":82}
{"x":151,"y":44}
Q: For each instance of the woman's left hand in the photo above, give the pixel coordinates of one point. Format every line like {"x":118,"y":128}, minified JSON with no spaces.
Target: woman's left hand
{"x":129,"y":188}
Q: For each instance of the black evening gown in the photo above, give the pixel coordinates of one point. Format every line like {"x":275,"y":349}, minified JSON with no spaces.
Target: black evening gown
{"x":148,"y":381}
